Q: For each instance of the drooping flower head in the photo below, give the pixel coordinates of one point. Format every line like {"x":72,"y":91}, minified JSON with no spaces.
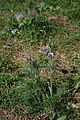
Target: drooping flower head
{"x":32,"y":13}
{"x":45,"y":50}
{"x":50,"y":55}
{"x":19,"y":17}
{"x":14,"y":31}
{"x":27,"y":57}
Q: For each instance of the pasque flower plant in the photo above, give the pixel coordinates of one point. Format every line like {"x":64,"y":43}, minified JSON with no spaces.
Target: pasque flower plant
{"x":47,"y":53}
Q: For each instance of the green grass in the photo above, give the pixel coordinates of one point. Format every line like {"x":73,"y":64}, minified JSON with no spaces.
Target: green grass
{"x":40,"y":85}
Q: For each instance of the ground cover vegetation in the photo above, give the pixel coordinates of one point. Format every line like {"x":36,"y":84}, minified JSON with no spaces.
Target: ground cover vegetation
{"x":39,"y":60}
